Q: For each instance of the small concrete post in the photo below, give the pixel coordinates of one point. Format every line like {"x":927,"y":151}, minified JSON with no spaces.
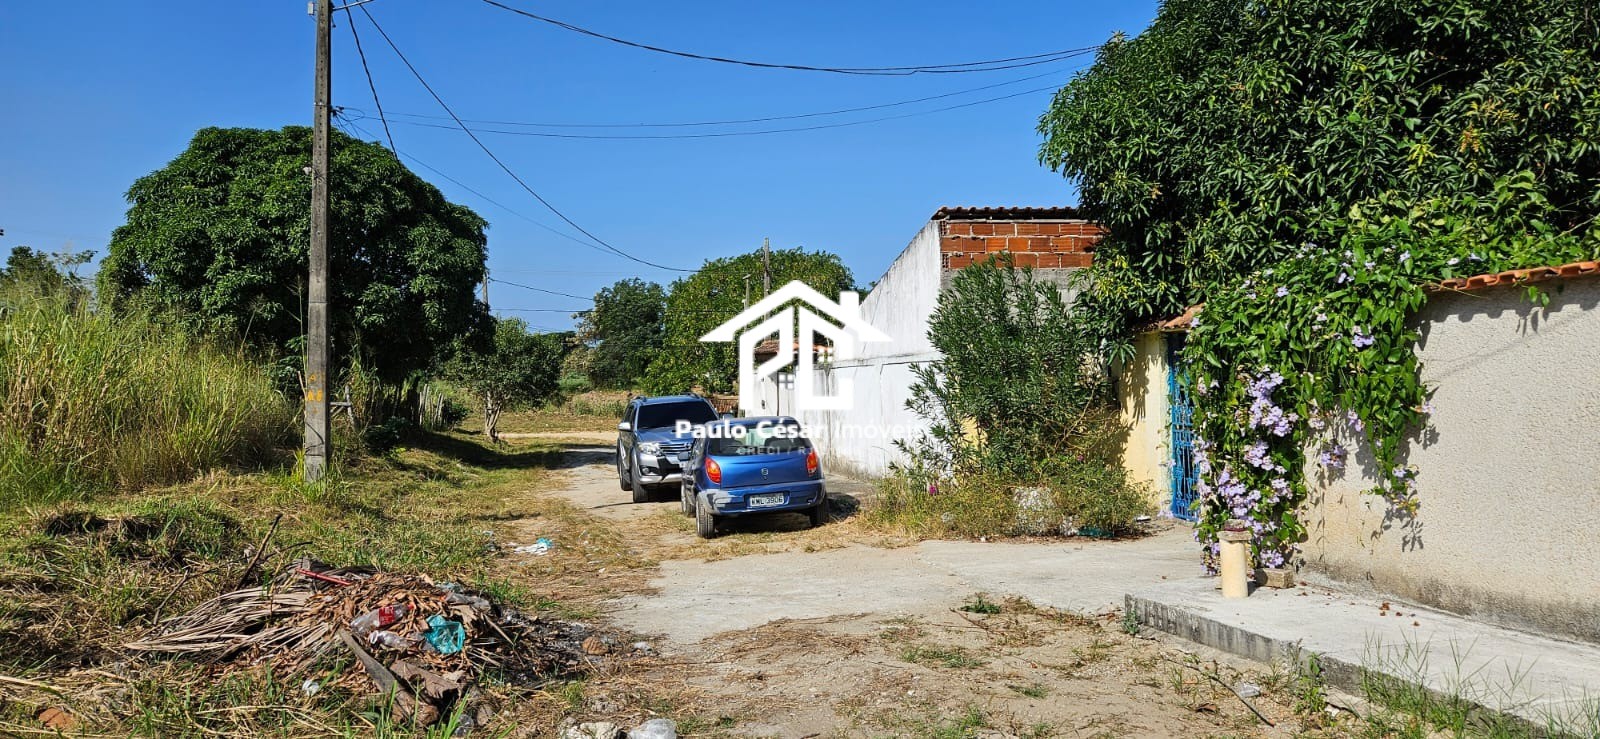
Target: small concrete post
{"x":1235,"y":559}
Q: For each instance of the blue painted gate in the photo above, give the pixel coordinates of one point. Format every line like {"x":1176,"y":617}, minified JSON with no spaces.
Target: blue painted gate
{"x":1182,"y":429}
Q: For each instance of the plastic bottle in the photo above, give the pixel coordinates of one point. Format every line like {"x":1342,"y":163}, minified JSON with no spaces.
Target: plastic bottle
{"x":377,"y":618}
{"x":391,"y":640}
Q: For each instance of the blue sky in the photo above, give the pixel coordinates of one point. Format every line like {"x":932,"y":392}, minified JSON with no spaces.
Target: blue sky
{"x":101,"y":93}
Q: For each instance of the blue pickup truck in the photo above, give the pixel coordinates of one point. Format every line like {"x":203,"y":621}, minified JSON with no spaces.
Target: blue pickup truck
{"x":745,"y":466}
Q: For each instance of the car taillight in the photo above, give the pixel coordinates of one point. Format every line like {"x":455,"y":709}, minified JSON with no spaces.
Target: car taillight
{"x":811,"y":462}
{"x":713,"y":471}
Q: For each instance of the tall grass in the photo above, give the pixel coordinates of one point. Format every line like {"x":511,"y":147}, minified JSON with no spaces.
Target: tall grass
{"x":89,"y":401}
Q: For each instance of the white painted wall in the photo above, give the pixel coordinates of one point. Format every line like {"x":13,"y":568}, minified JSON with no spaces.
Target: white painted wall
{"x":1509,"y":486}
{"x":900,"y":305}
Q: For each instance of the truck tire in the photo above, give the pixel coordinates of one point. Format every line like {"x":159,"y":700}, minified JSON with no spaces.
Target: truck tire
{"x":641,"y":494}
{"x":705,"y":524}
{"x":686,"y":498}
{"x":621,"y":478}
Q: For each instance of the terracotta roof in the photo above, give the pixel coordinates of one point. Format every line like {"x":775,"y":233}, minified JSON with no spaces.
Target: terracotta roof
{"x":1008,"y":213}
{"x":1521,"y":276}
{"x":1183,"y":321}
{"x":1475,"y":282}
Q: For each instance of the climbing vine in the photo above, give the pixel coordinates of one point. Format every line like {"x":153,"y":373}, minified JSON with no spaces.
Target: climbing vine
{"x":1300,"y":365}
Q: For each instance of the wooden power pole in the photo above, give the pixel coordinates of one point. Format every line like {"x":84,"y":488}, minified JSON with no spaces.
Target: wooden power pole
{"x":316,"y":398}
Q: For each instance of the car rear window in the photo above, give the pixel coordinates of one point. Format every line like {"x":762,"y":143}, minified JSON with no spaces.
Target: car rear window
{"x":661,"y":415}
{"x":759,"y":440}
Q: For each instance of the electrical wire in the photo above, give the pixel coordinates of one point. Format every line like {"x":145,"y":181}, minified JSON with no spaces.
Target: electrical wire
{"x":730,"y":122}
{"x":368,"y":71}
{"x":541,"y":224}
{"x":990,"y":65}
{"x":539,"y":289}
{"x":497,"y":160}
{"x":727,"y":134}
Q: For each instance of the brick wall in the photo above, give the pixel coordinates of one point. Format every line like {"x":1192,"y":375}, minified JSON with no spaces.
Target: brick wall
{"x":1031,"y":243}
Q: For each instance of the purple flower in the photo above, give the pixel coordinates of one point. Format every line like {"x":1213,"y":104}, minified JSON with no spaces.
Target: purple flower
{"x":1427,"y":407}
{"x":1405,"y":257}
{"x":1360,"y":340}
{"x":1474,"y":257}
{"x":1369,"y":265}
{"x":1343,"y":278}
{"x":1272,"y":558}
{"x":1453,"y":261}
{"x":1257,"y":455}
{"x":1355,"y":421}
{"x":1332,"y":456}
{"x":1283,"y":292}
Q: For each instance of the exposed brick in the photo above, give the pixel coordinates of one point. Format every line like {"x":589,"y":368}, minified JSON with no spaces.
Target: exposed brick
{"x":1076,"y":260}
{"x":1025,"y":260}
{"x":1004,"y":228}
{"x":1029,"y":229}
{"x":958,"y":228}
{"x":981,"y":229}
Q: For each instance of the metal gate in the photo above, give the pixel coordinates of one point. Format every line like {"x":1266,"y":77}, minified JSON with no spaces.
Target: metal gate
{"x":1182,"y":430}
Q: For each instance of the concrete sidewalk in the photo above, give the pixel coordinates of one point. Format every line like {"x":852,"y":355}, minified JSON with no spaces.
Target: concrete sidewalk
{"x":1544,"y":681}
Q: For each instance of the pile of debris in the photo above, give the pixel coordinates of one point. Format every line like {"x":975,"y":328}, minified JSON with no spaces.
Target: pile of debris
{"x":426,"y":643}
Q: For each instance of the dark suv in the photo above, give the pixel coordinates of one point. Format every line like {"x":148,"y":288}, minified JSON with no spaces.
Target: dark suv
{"x":648,"y":442}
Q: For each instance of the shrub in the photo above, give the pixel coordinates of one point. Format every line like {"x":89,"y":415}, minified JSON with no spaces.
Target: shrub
{"x":1022,"y":435}
{"x":383,"y":438}
{"x":89,"y":402}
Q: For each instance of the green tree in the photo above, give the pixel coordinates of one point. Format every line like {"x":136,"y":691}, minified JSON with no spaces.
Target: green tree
{"x":629,"y":324}
{"x":42,"y":273}
{"x":519,"y":369}
{"x":220,"y":235}
{"x":1231,"y":132}
{"x":702,"y":301}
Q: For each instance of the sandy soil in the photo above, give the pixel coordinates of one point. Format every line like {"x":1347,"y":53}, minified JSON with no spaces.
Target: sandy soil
{"x":776,"y":630}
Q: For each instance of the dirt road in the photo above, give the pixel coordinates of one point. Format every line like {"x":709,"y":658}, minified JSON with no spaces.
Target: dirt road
{"x":776,"y":630}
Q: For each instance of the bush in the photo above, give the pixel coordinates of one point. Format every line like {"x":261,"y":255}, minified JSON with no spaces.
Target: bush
{"x":1023,"y":438}
{"x":88,"y":402}
{"x":383,"y":438}
{"x":573,"y":384}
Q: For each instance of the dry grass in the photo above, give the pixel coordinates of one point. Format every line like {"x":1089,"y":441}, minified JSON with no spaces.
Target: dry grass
{"x":76,"y":582}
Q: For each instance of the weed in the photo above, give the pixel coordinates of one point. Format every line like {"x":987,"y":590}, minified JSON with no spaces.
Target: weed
{"x":978,"y":604}
{"x":1031,"y":690}
{"x":956,"y":658}
{"x":1130,"y":622}
{"x":1310,"y":697}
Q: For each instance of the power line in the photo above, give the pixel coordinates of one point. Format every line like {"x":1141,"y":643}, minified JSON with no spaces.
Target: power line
{"x":990,"y":65}
{"x":541,"y":290}
{"x":726,"y":134}
{"x":368,"y":71}
{"x":491,"y":154}
{"x":541,"y":224}
{"x":730,"y":122}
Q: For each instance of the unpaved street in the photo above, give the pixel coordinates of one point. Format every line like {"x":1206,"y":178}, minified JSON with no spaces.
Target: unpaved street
{"x":776,"y":630}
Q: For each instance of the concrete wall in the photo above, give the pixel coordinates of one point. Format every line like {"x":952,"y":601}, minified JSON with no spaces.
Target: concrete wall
{"x":1509,"y":526}
{"x":1146,"y":417}
{"x":858,"y":441}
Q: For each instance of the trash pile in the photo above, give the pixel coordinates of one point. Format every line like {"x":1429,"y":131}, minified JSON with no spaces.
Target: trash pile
{"x":422,"y":641}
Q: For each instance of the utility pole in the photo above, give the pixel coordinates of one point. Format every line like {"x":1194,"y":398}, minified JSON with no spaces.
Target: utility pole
{"x":316,"y":398}
{"x":747,"y":291}
{"x":766,"y":267}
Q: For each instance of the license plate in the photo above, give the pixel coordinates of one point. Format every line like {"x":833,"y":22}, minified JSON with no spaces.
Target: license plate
{"x":766,"y":500}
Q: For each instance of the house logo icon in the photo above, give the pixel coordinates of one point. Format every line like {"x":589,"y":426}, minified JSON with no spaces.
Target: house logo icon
{"x":773,"y":315}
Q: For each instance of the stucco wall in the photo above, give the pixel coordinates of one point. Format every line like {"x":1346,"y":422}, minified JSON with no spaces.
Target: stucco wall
{"x":857,"y":441}
{"x":1142,"y":395}
{"x":1509,"y":526}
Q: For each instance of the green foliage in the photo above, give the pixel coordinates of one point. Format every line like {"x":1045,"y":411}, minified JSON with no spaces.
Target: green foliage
{"x":628,"y":321}
{"x":1012,"y":402}
{"x":29,"y":272}
{"x":1211,"y":144}
{"x":88,"y":402}
{"x":702,"y":301}
{"x":520,"y":370}
{"x":1308,"y":169}
{"x":220,"y":235}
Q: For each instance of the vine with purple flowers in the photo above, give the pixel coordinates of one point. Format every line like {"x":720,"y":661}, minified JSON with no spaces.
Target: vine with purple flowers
{"x":1324,"y":341}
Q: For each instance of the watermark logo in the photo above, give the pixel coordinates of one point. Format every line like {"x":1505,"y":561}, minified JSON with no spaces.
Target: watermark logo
{"x":773,"y":315}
